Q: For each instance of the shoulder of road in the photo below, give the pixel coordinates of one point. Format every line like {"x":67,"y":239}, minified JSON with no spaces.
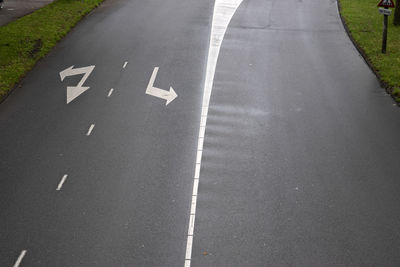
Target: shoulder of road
{"x":364,"y":24}
{"x":27,"y":39}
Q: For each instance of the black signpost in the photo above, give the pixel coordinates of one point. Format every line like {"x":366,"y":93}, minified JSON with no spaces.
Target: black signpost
{"x":386,"y":12}
{"x":384,"y":37}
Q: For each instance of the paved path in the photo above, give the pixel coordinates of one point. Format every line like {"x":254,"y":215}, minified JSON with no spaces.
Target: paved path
{"x":279,"y":150}
{"x":14,"y":9}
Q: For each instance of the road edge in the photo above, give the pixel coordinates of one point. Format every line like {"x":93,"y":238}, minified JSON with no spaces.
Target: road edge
{"x":361,"y":51}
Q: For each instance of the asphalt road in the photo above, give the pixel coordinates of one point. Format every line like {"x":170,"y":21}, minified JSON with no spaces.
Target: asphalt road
{"x":14,"y":9}
{"x":299,"y":163}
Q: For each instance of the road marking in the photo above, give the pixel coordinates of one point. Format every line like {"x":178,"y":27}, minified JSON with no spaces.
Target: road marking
{"x":197,"y":171}
{"x":160,"y":93}
{"x":75,"y":91}
{"x":188,"y":250}
{"x":110,"y":92}
{"x":198,"y":158}
{"x":90,"y":130}
{"x":126,"y":63}
{"x":195,"y":187}
{"x":202,"y":131}
{"x":223,"y":12}
{"x":19,"y":260}
{"x":62,"y":182}
{"x":203,"y":121}
{"x":200,"y":145}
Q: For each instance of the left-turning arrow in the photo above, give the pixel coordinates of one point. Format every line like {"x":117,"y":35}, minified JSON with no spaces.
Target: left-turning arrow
{"x":74,"y":91}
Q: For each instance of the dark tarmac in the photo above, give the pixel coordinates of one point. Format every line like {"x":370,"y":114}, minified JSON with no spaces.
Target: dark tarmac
{"x":299,"y":164}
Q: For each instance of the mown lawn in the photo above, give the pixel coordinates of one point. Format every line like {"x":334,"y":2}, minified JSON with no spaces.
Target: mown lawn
{"x":365,"y":24}
{"x":26,"y":40}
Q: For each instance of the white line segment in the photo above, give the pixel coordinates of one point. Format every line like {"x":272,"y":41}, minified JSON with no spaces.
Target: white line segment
{"x":126,"y":63}
{"x":62,"y":182}
{"x":90,"y":130}
{"x":19,"y":260}
{"x":110,"y":92}
{"x":223,"y":12}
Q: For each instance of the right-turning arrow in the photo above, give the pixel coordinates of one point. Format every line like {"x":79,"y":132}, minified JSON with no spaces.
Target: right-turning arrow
{"x":160,"y":93}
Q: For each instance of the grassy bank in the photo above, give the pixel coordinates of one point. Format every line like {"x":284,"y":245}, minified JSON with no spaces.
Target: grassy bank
{"x":365,"y":25}
{"x":26,"y":40}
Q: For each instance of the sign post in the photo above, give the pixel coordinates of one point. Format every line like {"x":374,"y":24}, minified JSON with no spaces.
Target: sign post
{"x":386,"y":12}
{"x":384,"y":37}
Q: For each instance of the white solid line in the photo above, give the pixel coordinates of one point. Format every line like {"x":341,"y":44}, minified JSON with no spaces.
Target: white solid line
{"x":202,"y":131}
{"x":204,"y":111}
{"x":197,"y":171}
{"x":195,"y":187}
{"x":198,"y":158}
{"x":188,"y":250}
{"x":126,"y":63}
{"x":223,"y":12}
{"x":110,"y":92}
{"x":191,"y":224}
{"x":90,"y":130}
{"x":203,"y":121}
{"x":193,"y":207}
{"x":200,"y":144}
{"x":62,"y":182}
{"x":19,"y":260}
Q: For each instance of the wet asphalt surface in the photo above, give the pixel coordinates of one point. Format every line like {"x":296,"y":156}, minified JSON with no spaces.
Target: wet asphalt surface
{"x":300,"y":155}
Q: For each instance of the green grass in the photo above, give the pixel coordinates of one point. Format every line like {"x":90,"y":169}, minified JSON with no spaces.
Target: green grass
{"x":365,"y":24}
{"x":26,"y":40}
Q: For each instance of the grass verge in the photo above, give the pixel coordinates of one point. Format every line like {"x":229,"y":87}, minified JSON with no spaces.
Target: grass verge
{"x":365,"y":25}
{"x":24,"y":41}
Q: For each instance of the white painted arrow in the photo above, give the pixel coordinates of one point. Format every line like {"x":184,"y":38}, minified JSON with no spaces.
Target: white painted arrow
{"x":74,"y":91}
{"x":160,"y":93}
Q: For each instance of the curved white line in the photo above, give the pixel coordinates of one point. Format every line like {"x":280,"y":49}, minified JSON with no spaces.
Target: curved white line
{"x":223,"y":12}
{"x":19,"y":260}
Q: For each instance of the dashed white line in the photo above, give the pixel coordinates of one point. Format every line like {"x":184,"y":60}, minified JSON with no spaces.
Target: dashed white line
{"x":126,"y":63}
{"x":62,"y":182}
{"x":19,"y":260}
{"x":223,"y":12}
{"x":90,"y":130}
{"x":110,"y":92}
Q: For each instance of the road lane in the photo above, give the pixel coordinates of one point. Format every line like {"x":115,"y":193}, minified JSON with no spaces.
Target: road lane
{"x":298,"y":161}
{"x":300,"y":156}
{"x":126,"y":199}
